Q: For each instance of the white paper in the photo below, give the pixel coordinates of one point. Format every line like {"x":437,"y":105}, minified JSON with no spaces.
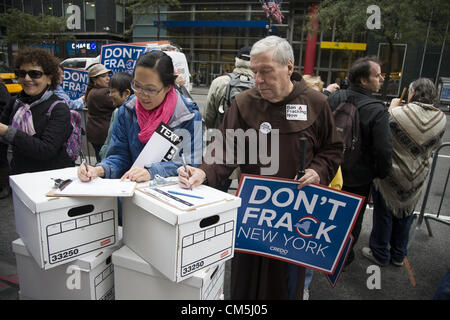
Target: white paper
{"x":203,"y":196}
{"x":99,"y":187}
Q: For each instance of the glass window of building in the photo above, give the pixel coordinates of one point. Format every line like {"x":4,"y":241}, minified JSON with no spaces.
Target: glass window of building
{"x":397,"y":62}
{"x":27,"y":6}
{"x":120,"y":19}
{"x":89,"y":9}
{"x":47,"y":7}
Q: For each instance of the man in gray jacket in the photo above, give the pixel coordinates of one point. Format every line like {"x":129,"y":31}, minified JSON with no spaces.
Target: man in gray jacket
{"x":376,"y":141}
{"x":214,"y":113}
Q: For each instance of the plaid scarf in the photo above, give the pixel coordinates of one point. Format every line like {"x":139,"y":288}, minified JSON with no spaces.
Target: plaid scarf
{"x":23,"y":118}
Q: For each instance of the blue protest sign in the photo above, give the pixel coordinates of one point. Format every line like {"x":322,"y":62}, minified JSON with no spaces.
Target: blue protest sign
{"x":120,"y":57}
{"x":75,"y":82}
{"x":309,"y":227}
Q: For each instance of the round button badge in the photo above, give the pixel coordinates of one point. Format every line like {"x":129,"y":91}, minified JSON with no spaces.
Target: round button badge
{"x":265,"y":127}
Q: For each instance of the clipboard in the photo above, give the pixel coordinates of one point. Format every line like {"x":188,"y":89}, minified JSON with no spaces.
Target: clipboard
{"x":201,"y":196}
{"x":98,"y":187}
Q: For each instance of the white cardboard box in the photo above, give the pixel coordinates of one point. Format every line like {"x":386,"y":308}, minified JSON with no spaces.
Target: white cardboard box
{"x":176,"y":242}
{"x":90,"y":277}
{"x":60,"y":230}
{"x":135,"y":279}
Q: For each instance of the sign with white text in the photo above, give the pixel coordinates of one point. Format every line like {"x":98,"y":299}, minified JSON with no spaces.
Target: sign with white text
{"x":75,"y":82}
{"x":120,"y":57}
{"x":309,"y":227}
{"x":162,"y":146}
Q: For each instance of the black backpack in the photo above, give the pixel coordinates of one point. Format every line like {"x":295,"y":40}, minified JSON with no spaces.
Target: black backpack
{"x":237,"y":84}
{"x":346,"y":119}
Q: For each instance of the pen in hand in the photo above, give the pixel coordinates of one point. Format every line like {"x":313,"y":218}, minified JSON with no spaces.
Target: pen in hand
{"x":186,"y":169}
{"x":83,"y":161}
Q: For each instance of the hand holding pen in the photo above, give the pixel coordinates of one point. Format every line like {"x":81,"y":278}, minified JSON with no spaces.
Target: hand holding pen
{"x":86,"y":172}
{"x":186,"y":170}
{"x":189,"y":177}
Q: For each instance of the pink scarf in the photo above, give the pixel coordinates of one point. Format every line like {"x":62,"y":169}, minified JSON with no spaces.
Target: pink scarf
{"x":149,"y":120}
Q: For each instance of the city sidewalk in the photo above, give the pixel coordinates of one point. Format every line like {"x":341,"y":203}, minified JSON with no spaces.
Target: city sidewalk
{"x":429,"y":258}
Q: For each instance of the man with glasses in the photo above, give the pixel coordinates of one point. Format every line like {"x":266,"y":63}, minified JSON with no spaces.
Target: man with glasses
{"x":376,"y":142}
{"x":264,"y":109}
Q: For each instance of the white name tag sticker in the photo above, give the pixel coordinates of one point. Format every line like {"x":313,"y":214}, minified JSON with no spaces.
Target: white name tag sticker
{"x":297,"y":112}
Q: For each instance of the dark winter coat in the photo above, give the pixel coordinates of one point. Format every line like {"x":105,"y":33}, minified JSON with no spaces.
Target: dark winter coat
{"x":376,"y":159}
{"x":100,"y":108}
{"x":46,"y":150}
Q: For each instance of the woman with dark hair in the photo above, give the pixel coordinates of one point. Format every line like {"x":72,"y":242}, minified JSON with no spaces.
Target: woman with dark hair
{"x":36,"y":135}
{"x":100,"y":106}
{"x":155,"y":101}
{"x":417,"y":129}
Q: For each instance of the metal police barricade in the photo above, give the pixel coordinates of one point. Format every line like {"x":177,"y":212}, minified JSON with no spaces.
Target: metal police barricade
{"x":84,"y":142}
{"x":435,"y":215}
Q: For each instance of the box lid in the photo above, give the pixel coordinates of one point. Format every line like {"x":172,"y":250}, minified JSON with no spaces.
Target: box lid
{"x":128,"y":259}
{"x":86,"y":263}
{"x":174,"y":216}
{"x":32,"y":188}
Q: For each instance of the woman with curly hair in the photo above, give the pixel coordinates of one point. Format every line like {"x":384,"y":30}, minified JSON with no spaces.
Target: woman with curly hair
{"x":37,"y":135}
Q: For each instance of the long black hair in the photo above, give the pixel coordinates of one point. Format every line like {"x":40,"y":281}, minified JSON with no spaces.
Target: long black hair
{"x":160,"y":62}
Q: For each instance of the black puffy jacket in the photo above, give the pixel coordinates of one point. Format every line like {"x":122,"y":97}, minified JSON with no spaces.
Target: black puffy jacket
{"x":376,"y":159}
{"x":46,"y":149}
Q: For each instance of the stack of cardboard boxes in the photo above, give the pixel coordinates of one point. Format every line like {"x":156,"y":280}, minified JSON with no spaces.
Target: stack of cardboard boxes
{"x":71,"y":247}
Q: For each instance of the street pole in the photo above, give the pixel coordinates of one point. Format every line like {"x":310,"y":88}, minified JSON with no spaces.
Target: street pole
{"x":425,"y":46}
{"x":440,"y":58}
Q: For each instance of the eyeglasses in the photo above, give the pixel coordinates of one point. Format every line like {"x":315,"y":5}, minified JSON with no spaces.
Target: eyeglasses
{"x":34,"y":74}
{"x":149,"y":92}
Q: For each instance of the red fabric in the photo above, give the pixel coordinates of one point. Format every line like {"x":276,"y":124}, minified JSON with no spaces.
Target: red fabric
{"x":311,"y":41}
{"x":149,"y":120}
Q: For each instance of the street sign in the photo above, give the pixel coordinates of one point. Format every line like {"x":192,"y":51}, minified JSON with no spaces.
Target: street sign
{"x":308,"y":227}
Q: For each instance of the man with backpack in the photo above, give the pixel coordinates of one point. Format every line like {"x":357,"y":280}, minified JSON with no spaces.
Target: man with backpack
{"x":224,"y":88}
{"x":368,"y":152}
{"x":221,"y":93}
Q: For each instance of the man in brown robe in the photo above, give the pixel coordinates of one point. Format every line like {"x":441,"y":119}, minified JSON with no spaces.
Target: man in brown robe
{"x":263,"y":109}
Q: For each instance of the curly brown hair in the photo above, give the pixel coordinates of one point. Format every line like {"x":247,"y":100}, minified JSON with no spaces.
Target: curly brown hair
{"x":42,"y":58}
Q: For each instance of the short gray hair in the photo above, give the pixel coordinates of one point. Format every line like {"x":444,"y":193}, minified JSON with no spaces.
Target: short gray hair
{"x":282,"y":53}
{"x":423,"y":91}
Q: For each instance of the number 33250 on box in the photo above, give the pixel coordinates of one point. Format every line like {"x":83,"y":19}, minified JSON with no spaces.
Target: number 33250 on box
{"x":59,"y":230}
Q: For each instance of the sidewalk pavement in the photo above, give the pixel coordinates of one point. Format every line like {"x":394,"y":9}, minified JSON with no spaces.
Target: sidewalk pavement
{"x":428,"y":257}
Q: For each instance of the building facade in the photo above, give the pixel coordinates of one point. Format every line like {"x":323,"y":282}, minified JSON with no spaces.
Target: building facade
{"x":91,"y":22}
{"x":211,"y":32}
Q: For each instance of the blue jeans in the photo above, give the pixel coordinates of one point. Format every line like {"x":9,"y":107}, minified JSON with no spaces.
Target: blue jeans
{"x":292,"y":273}
{"x":443,"y":290}
{"x":388,"y":230}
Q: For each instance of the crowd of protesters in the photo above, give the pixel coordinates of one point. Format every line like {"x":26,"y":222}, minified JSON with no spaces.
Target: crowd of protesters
{"x":123,"y":112}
